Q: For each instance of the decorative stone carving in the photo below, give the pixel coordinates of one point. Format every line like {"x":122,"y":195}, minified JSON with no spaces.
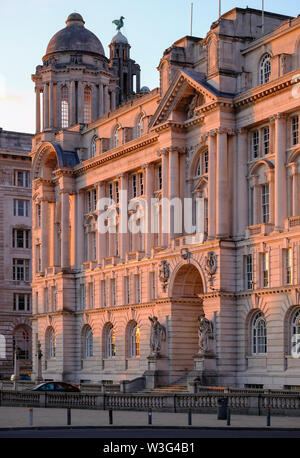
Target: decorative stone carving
{"x":157,"y":336}
{"x":197,"y":100}
{"x":205,"y":334}
{"x":185,"y":254}
{"x":164,"y":273}
{"x":210,"y":266}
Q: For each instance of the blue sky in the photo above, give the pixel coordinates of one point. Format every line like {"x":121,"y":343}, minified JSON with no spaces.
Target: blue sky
{"x":150,"y":26}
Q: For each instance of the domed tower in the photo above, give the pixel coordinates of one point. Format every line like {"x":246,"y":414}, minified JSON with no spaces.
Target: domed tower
{"x":75,"y":80}
{"x":124,"y":68}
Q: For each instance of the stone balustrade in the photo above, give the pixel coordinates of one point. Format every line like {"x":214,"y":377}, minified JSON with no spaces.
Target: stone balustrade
{"x":249,"y":402}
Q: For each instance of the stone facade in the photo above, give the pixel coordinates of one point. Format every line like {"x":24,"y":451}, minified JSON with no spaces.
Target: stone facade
{"x":15,"y":259}
{"x":222,"y":131}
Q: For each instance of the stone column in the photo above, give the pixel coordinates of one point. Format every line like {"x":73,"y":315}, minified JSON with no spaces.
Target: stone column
{"x":80,"y":101}
{"x":165,"y":195}
{"x":37,"y":110}
{"x":79,"y":228}
{"x":123,"y":220}
{"x":73,"y":227}
{"x":51,"y":105}
{"x":65,"y":230}
{"x":94,"y":102}
{"x":270,"y":174}
{"x":45,"y":237}
{"x":294,"y":170}
{"x":149,"y":186}
{"x":51,"y":234}
{"x":222,"y":186}
{"x":101,"y":236}
{"x":280,"y":171}
{"x":173,"y":188}
{"x":46,"y":105}
{"x":241,"y":185}
{"x":101,"y":103}
{"x":113,"y":100}
{"x":105,"y":99}
{"x":72,"y":103}
{"x":211,"y":185}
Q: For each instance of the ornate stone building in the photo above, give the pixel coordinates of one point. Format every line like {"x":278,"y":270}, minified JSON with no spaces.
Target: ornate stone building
{"x":221,"y":134}
{"x":15,"y":259}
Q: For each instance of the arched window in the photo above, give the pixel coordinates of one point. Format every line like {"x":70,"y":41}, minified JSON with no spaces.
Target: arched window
{"x":93,"y":147}
{"x":295,"y":334}
{"x":88,"y":343}
{"x":87,"y":105}
{"x":134,"y":341}
{"x":265,"y":69}
{"x":140,"y":127}
{"x":202,"y":164}
{"x":110,"y":342}
{"x":50,"y":344}
{"x":64,"y":107}
{"x":259,"y":334}
{"x":116,"y":137}
{"x":21,"y":342}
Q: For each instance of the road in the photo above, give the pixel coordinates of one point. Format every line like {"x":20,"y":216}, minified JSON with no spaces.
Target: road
{"x":141,"y":433}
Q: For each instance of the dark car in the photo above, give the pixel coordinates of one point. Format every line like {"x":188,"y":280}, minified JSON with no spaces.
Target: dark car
{"x":57,"y":386}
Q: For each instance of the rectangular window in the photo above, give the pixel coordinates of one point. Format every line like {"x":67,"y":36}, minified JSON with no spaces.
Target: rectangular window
{"x":266,"y":145}
{"x":22,"y":178}
{"x":113,"y":291}
{"x":111,"y":190}
{"x":206,"y":161}
{"x":38,"y":215}
{"x":91,"y":295}
{"x":265,"y":268}
{"x":265,"y":196}
{"x":103,"y":293}
{"x":45,"y":299}
{"x":249,"y":271}
{"x":21,"y":207}
{"x":295,"y":130}
{"x":94,"y":246}
{"x":288,"y":266}
{"x":54,"y":298}
{"x":134,"y":186}
{"x":127,"y":290}
{"x":159,"y":177}
{"x":38,"y":259}
{"x":82,"y":297}
{"x":22,"y":302}
{"x":251,"y":206}
{"x":117,"y":192}
{"x":20,"y":238}
{"x":91,"y":200}
{"x":137,"y":289}
{"x":21,"y":269}
{"x":255,"y":144}
{"x":153,"y":285}
{"x":141,"y":183}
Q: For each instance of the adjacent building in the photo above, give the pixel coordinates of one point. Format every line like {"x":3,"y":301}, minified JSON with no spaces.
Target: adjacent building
{"x":221,"y":136}
{"x":15,"y":259}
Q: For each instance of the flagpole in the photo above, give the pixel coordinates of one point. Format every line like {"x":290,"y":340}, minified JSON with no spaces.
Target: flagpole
{"x":220,"y":12}
{"x":191,"y":19}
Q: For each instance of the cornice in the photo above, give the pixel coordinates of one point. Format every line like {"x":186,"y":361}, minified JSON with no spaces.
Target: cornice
{"x":113,"y":154}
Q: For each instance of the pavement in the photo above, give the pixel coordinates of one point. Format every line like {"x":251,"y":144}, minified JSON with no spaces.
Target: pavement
{"x":18,"y":417}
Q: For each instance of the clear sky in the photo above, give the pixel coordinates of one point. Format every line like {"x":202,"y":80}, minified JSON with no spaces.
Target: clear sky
{"x":151,"y":26}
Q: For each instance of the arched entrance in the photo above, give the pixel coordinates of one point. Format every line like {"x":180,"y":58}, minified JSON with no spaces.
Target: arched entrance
{"x":185,"y":296}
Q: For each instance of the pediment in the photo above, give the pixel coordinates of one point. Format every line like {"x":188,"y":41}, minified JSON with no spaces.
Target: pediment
{"x":187,"y":92}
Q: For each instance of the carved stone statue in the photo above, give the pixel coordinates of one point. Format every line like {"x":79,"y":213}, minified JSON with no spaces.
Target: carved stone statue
{"x":158,"y":335}
{"x":205,"y":333}
{"x":164,"y":273}
{"x":196,"y":102}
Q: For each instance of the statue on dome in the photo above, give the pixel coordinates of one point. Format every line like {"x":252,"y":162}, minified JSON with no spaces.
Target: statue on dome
{"x":119,"y":23}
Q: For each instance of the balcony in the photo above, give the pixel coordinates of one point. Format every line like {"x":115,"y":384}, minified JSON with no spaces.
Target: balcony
{"x":111,"y":261}
{"x":292,"y":223}
{"x":89,"y":265}
{"x":259,"y":229}
{"x":135,"y":256}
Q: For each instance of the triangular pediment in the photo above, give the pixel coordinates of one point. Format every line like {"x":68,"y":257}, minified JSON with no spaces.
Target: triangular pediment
{"x":187,"y":92}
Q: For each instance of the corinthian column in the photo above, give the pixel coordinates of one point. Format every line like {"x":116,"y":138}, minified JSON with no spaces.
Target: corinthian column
{"x":37,"y":110}
{"x":280,"y":171}
{"x":65,"y":230}
{"x":212,"y":185}
{"x":222,"y":215}
{"x":241,"y":190}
